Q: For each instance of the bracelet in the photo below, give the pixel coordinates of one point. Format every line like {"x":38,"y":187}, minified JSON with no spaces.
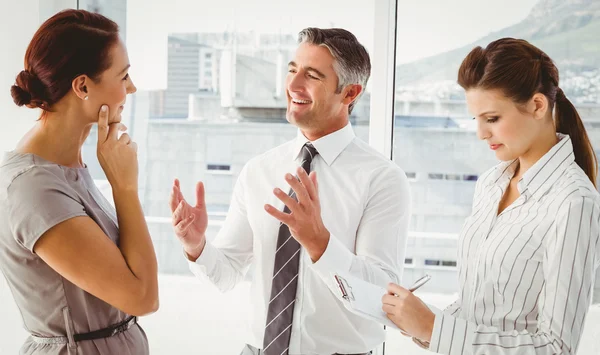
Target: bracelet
{"x":421,"y":343}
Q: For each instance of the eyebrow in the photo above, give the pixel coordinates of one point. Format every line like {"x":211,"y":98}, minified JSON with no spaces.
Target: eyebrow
{"x":316,"y":71}
{"x":485,"y":113}
{"x":123,"y":71}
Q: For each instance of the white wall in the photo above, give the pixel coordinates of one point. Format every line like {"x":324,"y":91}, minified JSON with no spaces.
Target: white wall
{"x":18,"y":22}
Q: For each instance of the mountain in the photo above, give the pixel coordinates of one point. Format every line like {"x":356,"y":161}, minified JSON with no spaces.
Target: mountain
{"x":567,"y":30}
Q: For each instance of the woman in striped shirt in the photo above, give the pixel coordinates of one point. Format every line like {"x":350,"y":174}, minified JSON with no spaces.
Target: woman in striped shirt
{"x":528,"y":252}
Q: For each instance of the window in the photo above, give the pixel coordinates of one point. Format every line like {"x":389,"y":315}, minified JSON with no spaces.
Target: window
{"x":430,"y":262}
{"x":209,"y":135}
{"x":453,"y":177}
{"x":437,"y":262}
{"x":435,"y":176}
{"x":218,"y":168}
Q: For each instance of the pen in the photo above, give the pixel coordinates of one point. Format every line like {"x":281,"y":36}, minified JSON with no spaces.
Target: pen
{"x":420,"y":282}
{"x":342,"y":288}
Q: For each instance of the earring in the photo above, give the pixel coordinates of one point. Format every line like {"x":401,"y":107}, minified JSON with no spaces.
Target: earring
{"x":86,"y":97}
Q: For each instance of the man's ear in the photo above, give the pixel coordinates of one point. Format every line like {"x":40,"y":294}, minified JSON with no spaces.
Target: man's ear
{"x":351,"y":93}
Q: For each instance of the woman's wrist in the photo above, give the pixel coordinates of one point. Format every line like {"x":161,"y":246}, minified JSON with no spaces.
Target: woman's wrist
{"x":429,"y":326}
{"x":424,"y":340}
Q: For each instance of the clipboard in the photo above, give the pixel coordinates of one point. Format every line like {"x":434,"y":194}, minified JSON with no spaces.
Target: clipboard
{"x":363,"y":298}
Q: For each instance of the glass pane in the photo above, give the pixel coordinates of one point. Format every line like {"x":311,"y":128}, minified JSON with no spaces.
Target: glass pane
{"x":211,"y":95}
{"x":434,"y":136}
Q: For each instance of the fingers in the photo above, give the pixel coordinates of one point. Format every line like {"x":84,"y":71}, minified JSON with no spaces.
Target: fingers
{"x":298,"y":188}
{"x":177,"y":214}
{"x":125,"y":138}
{"x":389,"y":309}
{"x":313,"y":178}
{"x":173,"y":202}
{"x":177,"y":188}
{"x":113,"y":131}
{"x":286,"y":199}
{"x":103,"y":124}
{"x":279,"y":215}
{"x":183,"y":226}
{"x":200,"y":203}
{"x":174,"y":198}
{"x":308,"y":184}
{"x":397,"y":290}
{"x":389,"y":300}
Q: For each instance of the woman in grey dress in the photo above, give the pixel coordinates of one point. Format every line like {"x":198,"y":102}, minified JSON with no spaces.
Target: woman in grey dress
{"x":79,"y":270}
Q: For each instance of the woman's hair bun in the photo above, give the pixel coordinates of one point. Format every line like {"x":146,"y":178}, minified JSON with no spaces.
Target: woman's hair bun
{"x":28,"y":91}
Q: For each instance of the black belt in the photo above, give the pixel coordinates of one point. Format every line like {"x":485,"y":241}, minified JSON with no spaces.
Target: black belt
{"x":96,"y":334}
{"x":107,"y":332}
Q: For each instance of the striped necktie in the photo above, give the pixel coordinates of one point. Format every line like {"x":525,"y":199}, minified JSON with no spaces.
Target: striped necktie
{"x":280,"y":314}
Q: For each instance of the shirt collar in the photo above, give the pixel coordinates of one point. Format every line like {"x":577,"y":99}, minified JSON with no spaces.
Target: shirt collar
{"x":543,"y":174}
{"x":502,"y":172}
{"x":329,"y":146}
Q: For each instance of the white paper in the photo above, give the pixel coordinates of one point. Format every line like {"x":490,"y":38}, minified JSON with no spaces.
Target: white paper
{"x":366,"y":301}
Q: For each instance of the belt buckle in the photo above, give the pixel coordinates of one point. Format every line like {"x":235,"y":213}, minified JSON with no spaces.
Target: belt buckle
{"x":123,"y":327}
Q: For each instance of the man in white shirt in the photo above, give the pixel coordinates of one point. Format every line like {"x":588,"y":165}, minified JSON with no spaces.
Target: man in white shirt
{"x":352,"y":218}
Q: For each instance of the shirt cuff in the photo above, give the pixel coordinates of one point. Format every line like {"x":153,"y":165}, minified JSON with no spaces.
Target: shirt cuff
{"x":206,"y":262}
{"x":451,"y":335}
{"x":335,"y":258}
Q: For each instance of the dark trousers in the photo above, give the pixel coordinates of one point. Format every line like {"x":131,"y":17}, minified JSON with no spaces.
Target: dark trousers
{"x":250,"y":350}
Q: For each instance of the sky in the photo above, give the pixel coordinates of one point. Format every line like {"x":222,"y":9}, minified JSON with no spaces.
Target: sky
{"x":425,"y":27}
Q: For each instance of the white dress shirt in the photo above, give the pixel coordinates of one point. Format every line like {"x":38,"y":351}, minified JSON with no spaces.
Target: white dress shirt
{"x":365,"y":205}
{"x":526,"y":275}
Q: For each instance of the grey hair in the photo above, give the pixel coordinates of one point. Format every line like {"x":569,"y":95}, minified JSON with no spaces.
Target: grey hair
{"x":352,"y":63}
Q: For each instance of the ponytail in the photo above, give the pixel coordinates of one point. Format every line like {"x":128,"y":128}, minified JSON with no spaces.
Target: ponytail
{"x":568,"y":122}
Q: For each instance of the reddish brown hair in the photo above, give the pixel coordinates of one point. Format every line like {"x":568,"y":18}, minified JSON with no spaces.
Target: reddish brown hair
{"x":520,"y":70}
{"x":69,"y":44}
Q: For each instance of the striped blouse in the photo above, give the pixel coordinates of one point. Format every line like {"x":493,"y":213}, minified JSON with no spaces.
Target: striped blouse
{"x":525,"y":275}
